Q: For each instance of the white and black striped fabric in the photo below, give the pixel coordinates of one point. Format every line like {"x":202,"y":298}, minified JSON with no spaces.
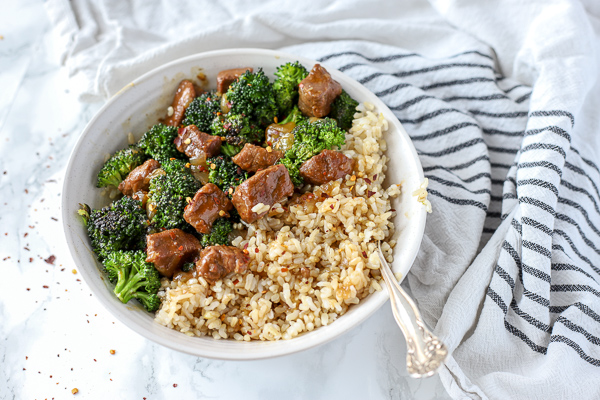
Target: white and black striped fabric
{"x":510,"y":262}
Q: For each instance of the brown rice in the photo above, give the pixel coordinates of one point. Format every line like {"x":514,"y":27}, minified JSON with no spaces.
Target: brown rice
{"x":310,"y":261}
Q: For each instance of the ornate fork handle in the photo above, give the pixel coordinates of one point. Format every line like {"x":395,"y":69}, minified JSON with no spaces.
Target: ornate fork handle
{"x":425,"y":352}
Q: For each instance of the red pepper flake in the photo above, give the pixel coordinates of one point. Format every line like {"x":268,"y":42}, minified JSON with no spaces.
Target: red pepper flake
{"x":30,"y":259}
{"x":332,"y":206}
{"x":180,"y":248}
{"x":364,"y":253}
{"x":25,"y":235}
{"x":94,"y":358}
{"x":375,"y":177}
{"x":54,"y":218}
{"x":236,"y":281}
{"x":369,"y":193}
{"x":28,"y":289}
{"x":50,"y":260}
{"x":45,"y":286}
{"x":284,"y":269}
{"x":392,"y":209}
{"x":31,"y":226}
{"x":26,"y":248}
{"x":246,"y":246}
{"x":174,"y":385}
{"x":112,"y":352}
{"x":256,"y":250}
{"x":368,"y":180}
{"x":249,"y":333}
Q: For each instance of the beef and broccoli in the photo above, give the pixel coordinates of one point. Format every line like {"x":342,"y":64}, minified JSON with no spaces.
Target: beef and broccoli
{"x":218,"y":160}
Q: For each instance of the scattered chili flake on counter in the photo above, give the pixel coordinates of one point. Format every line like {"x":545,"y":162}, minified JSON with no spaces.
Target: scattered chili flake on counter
{"x":74,"y":271}
{"x":75,"y":391}
{"x":45,"y":286}
{"x":112,"y":351}
{"x":50,"y":260}
{"x":174,"y":385}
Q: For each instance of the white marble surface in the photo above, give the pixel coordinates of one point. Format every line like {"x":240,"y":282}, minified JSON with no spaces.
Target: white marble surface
{"x":56,"y":336}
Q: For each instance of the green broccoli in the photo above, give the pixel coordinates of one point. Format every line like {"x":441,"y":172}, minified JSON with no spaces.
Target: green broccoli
{"x":343,"y":109}
{"x":134,"y":277}
{"x":285,"y":86}
{"x":294,"y":116}
{"x":309,"y":140}
{"x":168,"y":193}
{"x":252,"y":95}
{"x":219,"y":234}
{"x":119,"y":165}
{"x":237,"y":131}
{"x":158,"y":143}
{"x":120,"y":226}
{"x":225,"y":174}
{"x":202,"y":110}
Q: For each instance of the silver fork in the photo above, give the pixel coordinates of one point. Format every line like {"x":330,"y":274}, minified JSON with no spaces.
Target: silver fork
{"x":425,"y":352}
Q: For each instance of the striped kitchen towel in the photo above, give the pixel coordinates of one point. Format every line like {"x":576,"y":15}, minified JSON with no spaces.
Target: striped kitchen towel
{"x":501,"y":102}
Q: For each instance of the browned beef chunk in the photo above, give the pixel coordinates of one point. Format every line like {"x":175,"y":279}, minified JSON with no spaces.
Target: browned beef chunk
{"x":228,"y":76}
{"x":137,"y":181}
{"x":252,"y":158}
{"x":317,"y":91}
{"x":169,"y":250}
{"x":192,"y":141}
{"x":208,"y":204}
{"x":268,"y":187}
{"x":217,"y":261}
{"x":183,"y":97}
{"x":327,"y":166}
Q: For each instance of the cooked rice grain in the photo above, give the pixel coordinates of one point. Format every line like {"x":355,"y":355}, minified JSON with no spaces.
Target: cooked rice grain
{"x":334,"y":239}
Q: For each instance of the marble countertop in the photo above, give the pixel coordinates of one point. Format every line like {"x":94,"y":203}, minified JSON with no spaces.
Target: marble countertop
{"x":57,"y":337}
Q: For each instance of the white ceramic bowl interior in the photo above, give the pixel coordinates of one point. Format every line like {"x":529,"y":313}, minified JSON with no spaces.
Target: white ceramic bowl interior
{"x":136,"y":108}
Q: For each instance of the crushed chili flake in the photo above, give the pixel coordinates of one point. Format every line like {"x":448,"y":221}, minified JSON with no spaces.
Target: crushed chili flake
{"x":332,"y":206}
{"x":50,"y":260}
{"x":25,"y":235}
{"x":174,"y":385}
{"x":53,"y":218}
{"x":392,"y":209}
{"x":180,"y":248}
{"x":45,"y":286}
{"x":375,"y":177}
{"x":28,"y":289}
{"x":256,"y":250}
{"x":369,"y":193}
{"x":26,"y":248}
{"x":236,"y":281}
{"x":112,"y":351}
{"x":364,"y":253}
{"x":75,"y":391}
{"x":246,"y":246}
{"x":284,"y":269}
{"x":245,"y":251}
{"x":30,"y":259}
{"x":368,"y":181}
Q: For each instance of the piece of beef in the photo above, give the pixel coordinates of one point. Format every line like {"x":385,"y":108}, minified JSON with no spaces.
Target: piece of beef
{"x":183,"y":97}
{"x":317,"y":91}
{"x":268,"y":187}
{"x":208,"y":204}
{"x":228,"y":76}
{"x":192,"y":141}
{"x":137,"y":180}
{"x":216,"y":262}
{"x":169,"y":250}
{"x":252,"y":158}
{"x":326,"y":166}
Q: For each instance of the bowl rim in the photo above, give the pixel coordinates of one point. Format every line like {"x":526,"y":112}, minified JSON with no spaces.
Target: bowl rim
{"x":380,"y":298}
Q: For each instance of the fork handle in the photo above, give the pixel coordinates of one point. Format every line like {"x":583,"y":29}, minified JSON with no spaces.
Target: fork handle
{"x":425,"y":351}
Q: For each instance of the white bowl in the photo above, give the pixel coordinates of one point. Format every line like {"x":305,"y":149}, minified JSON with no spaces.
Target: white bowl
{"x":134,"y":109}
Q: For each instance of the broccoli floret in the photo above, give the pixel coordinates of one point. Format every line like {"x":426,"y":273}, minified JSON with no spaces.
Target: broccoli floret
{"x":237,"y":131}
{"x":168,"y":193}
{"x":219,"y":234}
{"x":295,"y":116}
{"x":309,"y":140}
{"x":158,"y":143}
{"x":225,"y":174}
{"x":202,"y":110}
{"x":119,"y":165}
{"x":343,"y":109}
{"x":120,"y":226}
{"x":252,"y":95}
{"x":134,"y":278}
{"x":285,"y":86}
